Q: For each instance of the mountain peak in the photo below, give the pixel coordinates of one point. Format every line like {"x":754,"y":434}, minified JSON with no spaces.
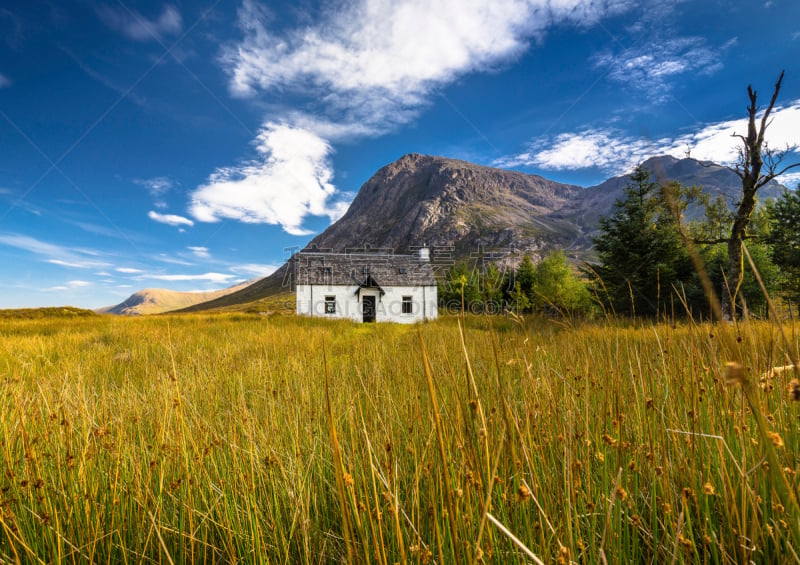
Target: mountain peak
{"x":447,"y":202}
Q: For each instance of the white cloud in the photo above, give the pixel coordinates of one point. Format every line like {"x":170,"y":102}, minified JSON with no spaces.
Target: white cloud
{"x":290,"y":180}
{"x":169,"y":219}
{"x":4,"y":81}
{"x":254,"y":269}
{"x":157,"y":186}
{"x":790,"y":180}
{"x":200,"y":252}
{"x":371,"y":63}
{"x":164,"y":258}
{"x":135,"y":26}
{"x":55,"y":254}
{"x":651,"y":68}
{"x":71,"y":285}
{"x":210,"y":277}
{"x":128,"y":270}
{"x":617,"y":152}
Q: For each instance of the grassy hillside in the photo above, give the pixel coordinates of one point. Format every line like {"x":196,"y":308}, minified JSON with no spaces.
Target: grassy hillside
{"x":50,"y":312}
{"x":263,"y":291}
{"x":214,"y":438}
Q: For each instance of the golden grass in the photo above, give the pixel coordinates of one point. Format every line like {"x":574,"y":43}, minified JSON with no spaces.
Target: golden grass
{"x":213,"y":438}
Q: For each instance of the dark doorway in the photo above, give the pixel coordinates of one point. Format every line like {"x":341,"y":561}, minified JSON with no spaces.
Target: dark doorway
{"x":368,"y":308}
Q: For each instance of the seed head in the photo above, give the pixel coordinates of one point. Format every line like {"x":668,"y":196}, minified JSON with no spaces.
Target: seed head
{"x":775,"y":438}
{"x":708,"y":489}
{"x":523,"y":493}
{"x":794,"y":390}
{"x":685,"y":542}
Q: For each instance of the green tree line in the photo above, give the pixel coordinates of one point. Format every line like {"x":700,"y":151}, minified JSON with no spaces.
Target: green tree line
{"x":551,"y":286}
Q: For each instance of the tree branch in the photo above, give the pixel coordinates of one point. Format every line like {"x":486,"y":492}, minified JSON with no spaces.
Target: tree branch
{"x":736,"y":171}
{"x":766,"y":178}
{"x":786,"y":169}
{"x":720,"y":240}
{"x":769,"y":108}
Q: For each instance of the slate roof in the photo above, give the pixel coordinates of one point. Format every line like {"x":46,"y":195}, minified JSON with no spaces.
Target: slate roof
{"x":355,"y":268}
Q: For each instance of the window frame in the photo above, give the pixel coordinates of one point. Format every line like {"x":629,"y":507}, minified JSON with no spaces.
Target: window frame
{"x":407,"y":305}
{"x":330,"y":305}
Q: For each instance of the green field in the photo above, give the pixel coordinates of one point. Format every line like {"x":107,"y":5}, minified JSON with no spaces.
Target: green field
{"x":209,"y":438}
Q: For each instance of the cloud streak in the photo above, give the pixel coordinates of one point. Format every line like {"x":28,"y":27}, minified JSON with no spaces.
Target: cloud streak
{"x":220,"y":278}
{"x":254,"y":270}
{"x":55,"y":254}
{"x":200,"y":252}
{"x":616,"y":152}
{"x":134,"y":25}
{"x":652,"y":68}
{"x":169,"y":219}
{"x":70,"y":285}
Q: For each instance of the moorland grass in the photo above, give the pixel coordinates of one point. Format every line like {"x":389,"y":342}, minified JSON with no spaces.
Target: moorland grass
{"x":214,"y":438}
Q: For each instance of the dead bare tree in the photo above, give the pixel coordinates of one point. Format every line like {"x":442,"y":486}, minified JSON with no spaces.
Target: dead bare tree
{"x":757,"y":165}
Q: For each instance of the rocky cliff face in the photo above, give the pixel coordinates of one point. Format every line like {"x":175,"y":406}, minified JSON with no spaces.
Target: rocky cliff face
{"x":437,"y":201}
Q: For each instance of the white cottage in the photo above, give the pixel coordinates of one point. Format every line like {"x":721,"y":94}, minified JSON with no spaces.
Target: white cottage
{"x":366,"y":287}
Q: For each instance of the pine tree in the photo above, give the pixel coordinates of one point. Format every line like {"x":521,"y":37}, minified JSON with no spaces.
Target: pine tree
{"x":784,"y":238}
{"x":640,"y":249}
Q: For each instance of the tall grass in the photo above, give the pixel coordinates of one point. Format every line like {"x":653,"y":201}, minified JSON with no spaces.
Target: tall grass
{"x":215,"y":439}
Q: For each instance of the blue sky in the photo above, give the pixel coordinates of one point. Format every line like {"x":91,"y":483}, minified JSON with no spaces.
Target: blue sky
{"x":191,"y":145}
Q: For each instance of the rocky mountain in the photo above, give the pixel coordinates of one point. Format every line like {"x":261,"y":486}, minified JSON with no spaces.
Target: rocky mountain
{"x":438,"y":201}
{"x":159,"y":300}
{"x":715,"y":179}
{"x":472,"y":208}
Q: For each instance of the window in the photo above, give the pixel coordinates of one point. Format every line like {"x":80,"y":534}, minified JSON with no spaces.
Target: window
{"x":327,"y":270}
{"x":407,"y":305}
{"x":366,"y":270}
{"x":330,"y":305}
{"x":401,"y":270}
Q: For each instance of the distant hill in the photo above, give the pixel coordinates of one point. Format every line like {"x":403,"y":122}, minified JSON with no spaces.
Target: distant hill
{"x":159,"y":300}
{"x":421,"y":199}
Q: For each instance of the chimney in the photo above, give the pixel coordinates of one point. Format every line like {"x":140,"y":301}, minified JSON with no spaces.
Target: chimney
{"x":424,"y":253}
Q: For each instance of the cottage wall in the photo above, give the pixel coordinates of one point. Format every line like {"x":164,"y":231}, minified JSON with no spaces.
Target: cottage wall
{"x":389,"y":307}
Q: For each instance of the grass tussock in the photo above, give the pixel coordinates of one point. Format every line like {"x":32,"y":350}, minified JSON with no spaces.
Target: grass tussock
{"x":244,"y":438}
